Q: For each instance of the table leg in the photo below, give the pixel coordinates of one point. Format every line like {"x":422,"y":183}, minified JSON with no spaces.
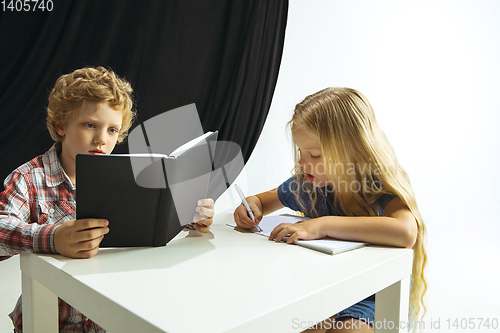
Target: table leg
{"x":40,"y":312}
{"x":391,"y":308}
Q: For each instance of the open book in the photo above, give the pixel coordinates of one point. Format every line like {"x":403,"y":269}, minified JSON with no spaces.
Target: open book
{"x":147,"y":198}
{"x":326,"y":245}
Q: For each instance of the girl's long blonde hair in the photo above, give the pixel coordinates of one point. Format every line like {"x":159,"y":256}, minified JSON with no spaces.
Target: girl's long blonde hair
{"x":360,"y":164}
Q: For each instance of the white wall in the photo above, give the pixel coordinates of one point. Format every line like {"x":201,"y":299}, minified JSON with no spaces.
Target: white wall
{"x":431,"y":71}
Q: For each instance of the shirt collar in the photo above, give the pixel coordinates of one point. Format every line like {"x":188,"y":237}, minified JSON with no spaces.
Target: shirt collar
{"x":54,"y":172}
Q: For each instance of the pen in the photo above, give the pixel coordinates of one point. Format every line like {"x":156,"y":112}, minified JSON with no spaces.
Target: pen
{"x":245,"y":203}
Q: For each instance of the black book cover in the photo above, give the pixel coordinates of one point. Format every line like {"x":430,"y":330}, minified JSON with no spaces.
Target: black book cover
{"x":147,"y":198}
{"x":138,"y":216}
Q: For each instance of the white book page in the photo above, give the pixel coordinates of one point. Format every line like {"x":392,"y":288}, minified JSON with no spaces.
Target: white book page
{"x":270,"y":222}
{"x":188,"y":145}
{"x":327,"y":245}
{"x":154,"y":155}
{"x":330,"y":245}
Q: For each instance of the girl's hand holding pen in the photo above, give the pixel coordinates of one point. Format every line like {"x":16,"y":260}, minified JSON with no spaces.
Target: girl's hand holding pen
{"x":242,"y":218}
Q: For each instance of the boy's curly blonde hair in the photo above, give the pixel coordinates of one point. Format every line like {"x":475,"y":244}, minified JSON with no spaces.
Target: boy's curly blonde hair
{"x":88,"y":84}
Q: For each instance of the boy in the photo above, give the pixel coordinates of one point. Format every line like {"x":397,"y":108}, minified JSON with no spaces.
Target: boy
{"x":89,"y":111}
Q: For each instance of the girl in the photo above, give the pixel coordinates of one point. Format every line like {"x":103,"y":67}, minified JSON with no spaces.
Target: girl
{"x":347,"y":179}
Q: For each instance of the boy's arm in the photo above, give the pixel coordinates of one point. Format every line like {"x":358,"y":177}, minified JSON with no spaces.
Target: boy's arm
{"x":73,"y":238}
{"x":16,"y":234}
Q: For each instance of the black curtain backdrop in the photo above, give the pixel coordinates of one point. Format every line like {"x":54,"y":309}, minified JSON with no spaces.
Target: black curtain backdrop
{"x":223,"y":55}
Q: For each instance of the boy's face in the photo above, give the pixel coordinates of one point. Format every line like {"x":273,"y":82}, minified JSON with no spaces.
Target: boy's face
{"x":94,"y":130}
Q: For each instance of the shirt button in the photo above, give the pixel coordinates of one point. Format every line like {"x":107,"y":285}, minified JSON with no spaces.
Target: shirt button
{"x":79,"y":325}
{"x":51,"y":210}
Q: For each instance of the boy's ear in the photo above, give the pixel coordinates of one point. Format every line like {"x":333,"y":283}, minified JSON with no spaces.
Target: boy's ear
{"x":59,"y":130}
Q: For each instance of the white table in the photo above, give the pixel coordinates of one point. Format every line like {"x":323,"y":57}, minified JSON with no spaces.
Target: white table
{"x":224,"y":281}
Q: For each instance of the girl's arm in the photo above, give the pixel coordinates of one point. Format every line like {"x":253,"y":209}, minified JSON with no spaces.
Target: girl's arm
{"x":397,"y":228}
{"x":260,"y":204}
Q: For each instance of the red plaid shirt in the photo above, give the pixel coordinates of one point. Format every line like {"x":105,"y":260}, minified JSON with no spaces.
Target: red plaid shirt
{"x":38,"y":197}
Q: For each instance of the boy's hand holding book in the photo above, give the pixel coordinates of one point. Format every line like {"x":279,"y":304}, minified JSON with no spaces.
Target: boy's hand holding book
{"x":203,"y":219}
{"x":80,"y":238}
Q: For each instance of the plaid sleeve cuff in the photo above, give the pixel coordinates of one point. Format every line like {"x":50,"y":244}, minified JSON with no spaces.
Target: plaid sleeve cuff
{"x":43,"y":239}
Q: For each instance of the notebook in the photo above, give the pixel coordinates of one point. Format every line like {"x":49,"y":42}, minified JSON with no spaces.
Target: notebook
{"x":327,"y":245}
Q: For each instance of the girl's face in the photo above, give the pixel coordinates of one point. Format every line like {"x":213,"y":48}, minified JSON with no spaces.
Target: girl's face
{"x":311,"y":157}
